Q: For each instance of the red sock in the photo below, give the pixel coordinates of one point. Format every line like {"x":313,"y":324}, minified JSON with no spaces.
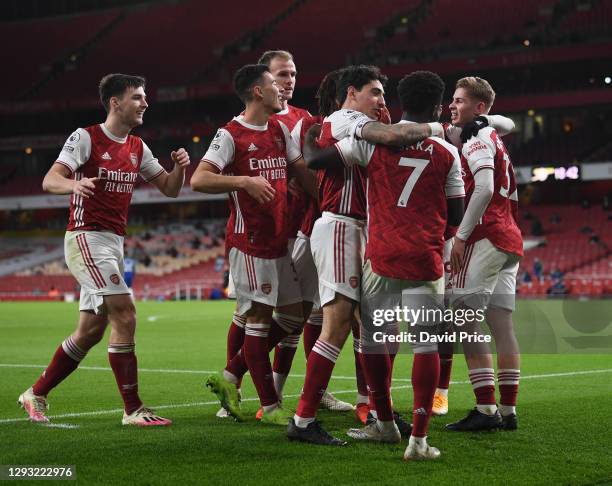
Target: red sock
{"x":377,"y":367}
{"x":425,"y":371}
{"x":238,"y":365}
{"x":256,"y":354}
{"x":319,"y":368}
{"x":123,"y":362}
{"x":312,"y":331}
{"x":235,"y":336}
{"x":483,"y":384}
{"x":284,"y":353}
{"x":508,"y":381}
{"x":65,"y":360}
{"x":362,"y":386}
{"x":392,"y":349}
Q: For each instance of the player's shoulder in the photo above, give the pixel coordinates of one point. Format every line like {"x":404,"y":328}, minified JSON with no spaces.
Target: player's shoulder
{"x":443,"y":147}
{"x":481,"y":143}
{"x":298,"y":112}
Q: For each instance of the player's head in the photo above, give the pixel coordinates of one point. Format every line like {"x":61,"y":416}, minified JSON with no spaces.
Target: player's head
{"x":327,"y":94}
{"x":254,"y":83}
{"x":282,"y":67}
{"x":473,"y":97}
{"x":420,"y":94}
{"x":362,"y":88}
{"x":124,"y":96}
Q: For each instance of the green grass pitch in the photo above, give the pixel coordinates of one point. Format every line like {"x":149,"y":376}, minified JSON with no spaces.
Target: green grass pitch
{"x":564,"y":436}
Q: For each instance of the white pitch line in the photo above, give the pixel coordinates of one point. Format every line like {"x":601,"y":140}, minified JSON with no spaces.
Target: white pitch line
{"x":338,"y":392}
{"x":165,"y":370}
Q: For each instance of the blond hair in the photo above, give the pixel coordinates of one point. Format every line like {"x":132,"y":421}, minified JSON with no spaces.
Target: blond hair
{"x":478,"y":88}
{"x":266,"y":57}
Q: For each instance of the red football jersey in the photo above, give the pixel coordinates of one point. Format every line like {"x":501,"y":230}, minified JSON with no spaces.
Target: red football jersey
{"x":290,"y":116}
{"x":407,"y":192}
{"x":311,"y":207}
{"x":499,"y":222}
{"x":117,"y":162}
{"x":342,"y":189}
{"x":243,"y":149}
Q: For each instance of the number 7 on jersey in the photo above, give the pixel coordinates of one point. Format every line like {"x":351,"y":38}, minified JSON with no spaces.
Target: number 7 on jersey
{"x":419,"y":166}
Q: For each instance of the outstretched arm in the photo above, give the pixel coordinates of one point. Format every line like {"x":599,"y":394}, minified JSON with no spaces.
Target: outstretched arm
{"x":315,"y":156}
{"x":207,"y":179}
{"x":400,"y":134}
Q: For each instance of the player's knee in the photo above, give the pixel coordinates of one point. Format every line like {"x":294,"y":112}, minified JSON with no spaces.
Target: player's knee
{"x":125,"y":317}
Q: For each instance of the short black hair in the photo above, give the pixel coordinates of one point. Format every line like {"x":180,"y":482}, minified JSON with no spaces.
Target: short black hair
{"x":116,"y":84}
{"x":420,"y":91}
{"x":246,"y":77}
{"x":357,"y":76}
{"x":327,"y":93}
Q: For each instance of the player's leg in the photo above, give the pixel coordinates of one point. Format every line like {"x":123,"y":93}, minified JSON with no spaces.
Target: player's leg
{"x":425,"y":365}
{"x":499,"y":318}
{"x":66,"y":359}
{"x":122,"y":358}
{"x":362,"y":407}
{"x":445,"y":349}
{"x":472,"y":291}
{"x":337,"y":318}
{"x":378,"y":294}
{"x":286,"y":349}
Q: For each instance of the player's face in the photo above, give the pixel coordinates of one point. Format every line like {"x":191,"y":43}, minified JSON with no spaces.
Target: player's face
{"x":131,"y":106}
{"x":271,"y":93}
{"x":464,"y":108}
{"x":369,"y":100}
{"x":284,"y":72}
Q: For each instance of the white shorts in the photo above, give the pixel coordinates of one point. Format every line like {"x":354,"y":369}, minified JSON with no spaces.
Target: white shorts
{"x":304,"y":266}
{"x":95,"y":258}
{"x":270,"y":281}
{"x":337,"y":244}
{"x":380,"y":294}
{"x":488,"y":277}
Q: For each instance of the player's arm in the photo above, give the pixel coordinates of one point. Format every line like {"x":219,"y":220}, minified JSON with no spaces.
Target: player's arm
{"x":304,"y":177}
{"x":317,"y":157}
{"x":483,"y":192}
{"x":171,"y":183}
{"x":208,"y":180}
{"x":399,"y":134}
{"x":58,"y":181}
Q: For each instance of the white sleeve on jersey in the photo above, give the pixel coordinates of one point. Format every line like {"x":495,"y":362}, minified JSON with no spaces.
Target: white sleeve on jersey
{"x":221,"y":151}
{"x":479,"y":151}
{"x":293,"y":149}
{"x":150,"y":168}
{"x":76,"y":150}
{"x":479,"y":201}
{"x":454,"y":180}
{"x":348,"y":124}
{"x":354,"y":151}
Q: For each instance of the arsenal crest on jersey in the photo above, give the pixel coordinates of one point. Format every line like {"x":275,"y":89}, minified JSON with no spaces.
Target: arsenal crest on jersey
{"x":134,"y":159}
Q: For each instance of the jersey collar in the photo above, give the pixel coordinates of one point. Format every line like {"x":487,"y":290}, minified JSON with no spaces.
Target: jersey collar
{"x":111,"y":136}
{"x":260,"y":128}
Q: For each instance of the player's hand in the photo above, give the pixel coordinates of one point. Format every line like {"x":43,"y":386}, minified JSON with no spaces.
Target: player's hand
{"x":259,"y":189}
{"x":309,"y":140}
{"x":456,"y":256}
{"x":85,"y":187}
{"x":472,"y":128}
{"x":294,"y":187}
{"x":385,"y":116}
{"x":180,"y":157}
